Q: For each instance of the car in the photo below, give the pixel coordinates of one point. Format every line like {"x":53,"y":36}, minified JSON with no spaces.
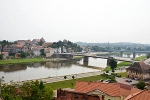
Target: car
{"x":101,"y":80}
{"x":126,"y":80}
{"x":108,"y":80}
{"x":129,"y":80}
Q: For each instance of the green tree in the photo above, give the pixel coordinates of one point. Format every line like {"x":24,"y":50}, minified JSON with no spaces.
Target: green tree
{"x":112,"y":64}
{"x":148,"y":56}
{"x":1,"y":56}
{"x":141,"y":85}
{"x":65,"y":77}
{"x":27,"y":91}
{"x":42,"y":52}
{"x":73,"y":77}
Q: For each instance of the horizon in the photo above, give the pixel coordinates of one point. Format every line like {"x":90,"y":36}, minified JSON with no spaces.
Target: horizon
{"x":84,"y":20}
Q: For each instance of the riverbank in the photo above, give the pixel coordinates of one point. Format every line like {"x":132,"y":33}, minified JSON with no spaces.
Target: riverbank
{"x":119,"y":65}
{"x":69,"y":82}
{"x":20,"y":61}
{"x":140,"y":58}
{"x":32,"y":60}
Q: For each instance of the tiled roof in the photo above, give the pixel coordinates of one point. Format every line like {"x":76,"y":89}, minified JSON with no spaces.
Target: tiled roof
{"x":140,"y":67}
{"x":112,"y":89}
{"x":142,"y":95}
{"x":5,"y":52}
{"x":71,"y":95}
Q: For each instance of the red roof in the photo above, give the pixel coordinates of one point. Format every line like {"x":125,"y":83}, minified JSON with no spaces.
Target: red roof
{"x":142,"y":95}
{"x":71,"y":95}
{"x":112,"y":89}
{"x":5,"y":52}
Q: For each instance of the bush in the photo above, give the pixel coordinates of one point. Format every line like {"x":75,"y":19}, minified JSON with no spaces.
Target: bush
{"x":107,"y":71}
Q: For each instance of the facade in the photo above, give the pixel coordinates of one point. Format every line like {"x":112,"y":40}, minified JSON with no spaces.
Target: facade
{"x":49,"y":51}
{"x":139,"y":70}
{"x":110,"y":91}
{"x":5,"y":54}
{"x":47,"y":44}
{"x":36,"y":51}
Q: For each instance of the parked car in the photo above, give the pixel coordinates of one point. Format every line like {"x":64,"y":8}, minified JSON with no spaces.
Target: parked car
{"x":128,"y":80}
{"x":101,"y":80}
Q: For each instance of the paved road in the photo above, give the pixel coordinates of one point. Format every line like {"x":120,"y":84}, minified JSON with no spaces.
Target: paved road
{"x":61,"y":78}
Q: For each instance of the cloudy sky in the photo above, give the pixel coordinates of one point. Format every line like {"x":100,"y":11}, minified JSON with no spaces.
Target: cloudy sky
{"x":76,"y":20}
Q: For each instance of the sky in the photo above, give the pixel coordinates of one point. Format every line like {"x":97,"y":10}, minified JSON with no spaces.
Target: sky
{"x":76,"y":20}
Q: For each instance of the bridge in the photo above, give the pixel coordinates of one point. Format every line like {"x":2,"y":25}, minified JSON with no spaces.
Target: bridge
{"x":134,"y":52}
{"x":87,"y":55}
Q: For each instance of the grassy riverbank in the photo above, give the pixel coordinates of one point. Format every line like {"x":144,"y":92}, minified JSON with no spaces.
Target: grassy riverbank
{"x":71,"y":83}
{"x":16,"y":61}
{"x":140,"y":58}
{"x":77,"y":57}
{"x":119,"y":65}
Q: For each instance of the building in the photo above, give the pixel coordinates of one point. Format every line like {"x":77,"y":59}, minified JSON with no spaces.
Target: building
{"x":139,"y":70}
{"x":36,"y":51}
{"x":142,"y":95}
{"x":72,"y":95}
{"x":110,"y":91}
{"x":5,"y":54}
{"x":47,"y":44}
{"x":49,"y":51}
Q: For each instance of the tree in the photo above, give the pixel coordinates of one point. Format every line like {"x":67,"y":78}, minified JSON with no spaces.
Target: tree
{"x":73,"y":77}
{"x":148,"y":56}
{"x":112,"y":64}
{"x":141,"y":85}
{"x":1,"y":81}
{"x":1,"y":56}
{"x":27,"y":91}
{"x":65,"y":77}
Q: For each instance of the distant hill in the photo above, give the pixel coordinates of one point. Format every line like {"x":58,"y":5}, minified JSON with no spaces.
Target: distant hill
{"x":112,"y":44}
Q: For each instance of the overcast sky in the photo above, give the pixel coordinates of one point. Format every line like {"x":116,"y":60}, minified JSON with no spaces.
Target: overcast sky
{"x":76,"y":20}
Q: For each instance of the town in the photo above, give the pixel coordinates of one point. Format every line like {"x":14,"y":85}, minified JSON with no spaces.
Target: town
{"x":127,"y":83}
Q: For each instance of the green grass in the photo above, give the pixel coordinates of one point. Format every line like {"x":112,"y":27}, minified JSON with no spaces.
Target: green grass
{"x":122,"y":74}
{"x":140,"y":58}
{"x":16,"y":61}
{"x":68,"y":83}
{"x":77,"y":57}
{"x":119,"y":65}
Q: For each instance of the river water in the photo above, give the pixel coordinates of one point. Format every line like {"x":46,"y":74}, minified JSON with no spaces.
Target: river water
{"x":21,"y":72}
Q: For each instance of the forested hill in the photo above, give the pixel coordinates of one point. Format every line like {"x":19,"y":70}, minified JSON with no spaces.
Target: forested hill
{"x":67,"y":44}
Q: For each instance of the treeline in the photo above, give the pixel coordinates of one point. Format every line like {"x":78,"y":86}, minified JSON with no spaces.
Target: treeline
{"x":6,"y":42}
{"x":27,"y":91}
{"x":67,"y":44}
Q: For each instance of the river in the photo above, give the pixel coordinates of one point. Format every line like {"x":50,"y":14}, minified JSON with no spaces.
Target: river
{"x":21,"y":72}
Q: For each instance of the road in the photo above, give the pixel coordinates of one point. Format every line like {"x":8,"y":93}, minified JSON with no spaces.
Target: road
{"x":61,"y":78}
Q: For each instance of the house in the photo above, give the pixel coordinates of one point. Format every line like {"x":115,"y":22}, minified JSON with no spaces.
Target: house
{"x":25,"y":48}
{"x":36,"y":51}
{"x":21,"y":42}
{"x":142,"y":95}
{"x":110,"y":91}
{"x":49,"y":51}
{"x":57,"y":50}
{"x":139,"y":70}
{"x":5,"y":54}
{"x":72,"y":95}
{"x":47,"y":44}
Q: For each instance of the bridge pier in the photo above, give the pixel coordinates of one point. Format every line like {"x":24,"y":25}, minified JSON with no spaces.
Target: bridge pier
{"x":121,"y":53}
{"x":133,"y":55}
{"x":86,"y":59}
{"x":85,"y":63}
